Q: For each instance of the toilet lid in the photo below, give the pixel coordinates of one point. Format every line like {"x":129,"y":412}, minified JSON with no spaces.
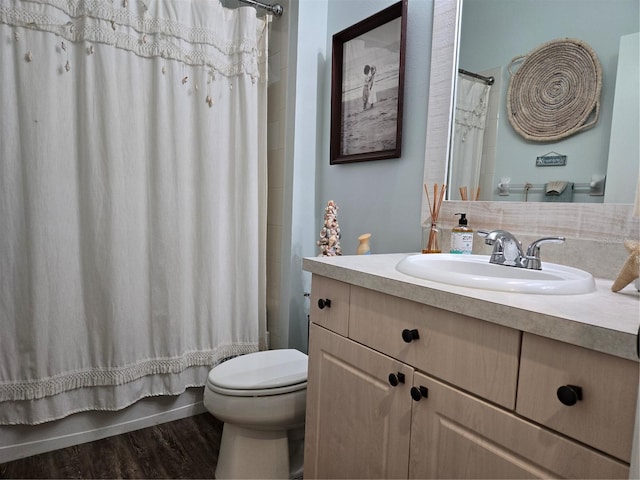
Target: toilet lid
{"x":261,"y":373}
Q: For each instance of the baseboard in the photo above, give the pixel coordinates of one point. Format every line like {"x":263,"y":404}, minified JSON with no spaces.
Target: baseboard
{"x":20,"y":441}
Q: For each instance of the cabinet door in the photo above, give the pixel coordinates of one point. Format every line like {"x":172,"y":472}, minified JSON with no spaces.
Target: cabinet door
{"x":608,"y":386}
{"x":474,"y":355}
{"x":455,"y":435}
{"x":357,"y":424}
{"x":330,"y":304}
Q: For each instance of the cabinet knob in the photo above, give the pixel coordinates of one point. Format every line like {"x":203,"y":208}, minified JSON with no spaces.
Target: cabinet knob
{"x":410,"y":335}
{"x":396,"y":378}
{"x":569,"y":394}
{"x":417,"y":393}
{"x":324,"y":302}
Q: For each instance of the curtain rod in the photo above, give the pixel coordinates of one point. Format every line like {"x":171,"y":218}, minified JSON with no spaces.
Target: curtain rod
{"x":488,"y":80}
{"x":276,"y":9}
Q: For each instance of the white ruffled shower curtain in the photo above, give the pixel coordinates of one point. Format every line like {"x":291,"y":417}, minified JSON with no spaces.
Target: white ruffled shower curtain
{"x":132,"y":199}
{"x":472,"y":103}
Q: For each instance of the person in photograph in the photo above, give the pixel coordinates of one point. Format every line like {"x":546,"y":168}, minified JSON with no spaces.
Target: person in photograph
{"x":365,"y":87}
{"x":372,"y":86}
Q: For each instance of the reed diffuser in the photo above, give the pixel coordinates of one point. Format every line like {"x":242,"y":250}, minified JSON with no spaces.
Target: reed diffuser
{"x":475,"y":193}
{"x":431,"y":234}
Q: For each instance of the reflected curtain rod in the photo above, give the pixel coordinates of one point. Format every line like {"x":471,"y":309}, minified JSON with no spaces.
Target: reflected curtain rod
{"x":488,"y":80}
{"x":276,"y":9}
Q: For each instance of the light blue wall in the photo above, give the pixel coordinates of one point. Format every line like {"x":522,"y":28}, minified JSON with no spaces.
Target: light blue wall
{"x":496,"y":31}
{"x":308,"y":126}
{"x":381,"y":197}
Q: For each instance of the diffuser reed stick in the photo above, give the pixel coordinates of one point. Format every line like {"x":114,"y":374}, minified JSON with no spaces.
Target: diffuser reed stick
{"x":432,"y":236}
{"x":464,"y":193}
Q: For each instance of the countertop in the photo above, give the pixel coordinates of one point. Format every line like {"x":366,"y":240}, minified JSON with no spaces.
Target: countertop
{"x":603,"y":320}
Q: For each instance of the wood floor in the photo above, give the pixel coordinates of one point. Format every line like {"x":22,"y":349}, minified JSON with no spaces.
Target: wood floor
{"x":186,"y":448}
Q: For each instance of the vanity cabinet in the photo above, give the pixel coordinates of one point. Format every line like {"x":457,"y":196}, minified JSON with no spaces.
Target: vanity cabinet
{"x":357,"y":423}
{"x":477,"y":356}
{"x":399,"y":389}
{"x":330,"y":304}
{"x":599,"y":392}
{"x":457,"y":435}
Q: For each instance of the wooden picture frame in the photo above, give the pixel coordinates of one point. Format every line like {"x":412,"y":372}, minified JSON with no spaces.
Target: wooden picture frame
{"x":367,"y":87}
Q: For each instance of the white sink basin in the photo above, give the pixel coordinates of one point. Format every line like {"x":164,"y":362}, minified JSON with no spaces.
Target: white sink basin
{"x":475,"y":271}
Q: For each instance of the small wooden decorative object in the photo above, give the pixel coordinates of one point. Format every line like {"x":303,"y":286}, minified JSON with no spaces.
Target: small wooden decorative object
{"x":363,"y":247}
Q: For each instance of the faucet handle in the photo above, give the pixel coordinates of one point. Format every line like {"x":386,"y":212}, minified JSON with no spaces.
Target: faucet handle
{"x":533,"y":251}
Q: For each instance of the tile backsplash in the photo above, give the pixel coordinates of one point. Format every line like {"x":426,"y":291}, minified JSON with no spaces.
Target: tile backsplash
{"x":595,"y":232}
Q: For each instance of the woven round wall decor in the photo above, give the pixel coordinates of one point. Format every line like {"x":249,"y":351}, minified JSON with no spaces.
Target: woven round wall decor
{"x":555,"y":90}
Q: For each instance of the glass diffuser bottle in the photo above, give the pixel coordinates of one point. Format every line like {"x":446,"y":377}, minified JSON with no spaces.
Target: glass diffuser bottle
{"x":431,"y":237}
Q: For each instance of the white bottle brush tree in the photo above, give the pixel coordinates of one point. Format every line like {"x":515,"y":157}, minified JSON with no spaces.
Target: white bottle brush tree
{"x":329,"y":242}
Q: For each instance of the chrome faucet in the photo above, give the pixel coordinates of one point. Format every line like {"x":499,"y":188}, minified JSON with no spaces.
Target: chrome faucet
{"x":507,"y":249}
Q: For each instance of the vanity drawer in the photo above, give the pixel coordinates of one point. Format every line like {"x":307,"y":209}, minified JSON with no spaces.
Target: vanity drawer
{"x":604,"y":417}
{"x":330,"y":304}
{"x":477,"y":356}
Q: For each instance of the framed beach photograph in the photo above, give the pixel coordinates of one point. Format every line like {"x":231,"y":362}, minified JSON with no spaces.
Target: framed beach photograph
{"x":367,"y":85}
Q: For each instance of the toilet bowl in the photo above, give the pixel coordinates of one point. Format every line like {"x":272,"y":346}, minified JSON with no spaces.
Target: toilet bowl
{"x":261,"y":398}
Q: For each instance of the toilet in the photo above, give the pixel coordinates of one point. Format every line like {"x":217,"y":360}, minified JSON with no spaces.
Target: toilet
{"x":261,"y":398}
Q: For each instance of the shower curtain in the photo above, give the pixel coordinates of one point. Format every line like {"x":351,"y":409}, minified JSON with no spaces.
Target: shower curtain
{"x":132,"y":199}
{"x":472,"y":100}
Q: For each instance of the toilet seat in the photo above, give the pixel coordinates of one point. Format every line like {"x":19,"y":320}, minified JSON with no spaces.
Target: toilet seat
{"x":271,"y":372}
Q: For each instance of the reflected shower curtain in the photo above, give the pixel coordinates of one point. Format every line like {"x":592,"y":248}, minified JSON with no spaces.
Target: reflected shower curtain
{"x":472,"y":100}
{"x":132,"y":199}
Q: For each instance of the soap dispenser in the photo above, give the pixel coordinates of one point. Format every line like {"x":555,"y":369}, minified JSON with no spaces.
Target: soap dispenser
{"x":462,"y":236}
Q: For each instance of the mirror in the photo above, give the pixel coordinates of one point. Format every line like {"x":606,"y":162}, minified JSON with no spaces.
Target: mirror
{"x":601,"y":224}
{"x":492,"y":33}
